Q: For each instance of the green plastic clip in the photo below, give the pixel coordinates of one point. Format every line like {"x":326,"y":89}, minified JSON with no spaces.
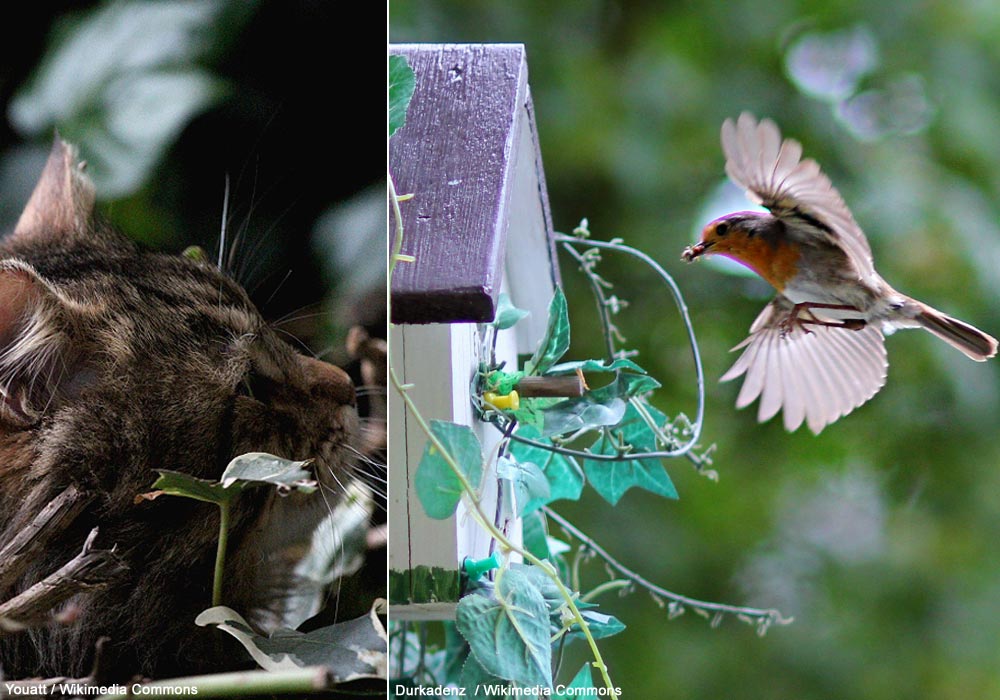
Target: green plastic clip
{"x":475,"y":568}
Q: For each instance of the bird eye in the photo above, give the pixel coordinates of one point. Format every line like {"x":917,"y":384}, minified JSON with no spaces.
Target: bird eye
{"x":721,"y":228}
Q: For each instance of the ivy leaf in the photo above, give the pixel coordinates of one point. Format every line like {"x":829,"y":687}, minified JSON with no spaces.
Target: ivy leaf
{"x":623,"y":387}
{"x":508,"y":633}
{"x":353,"y":649}
{"x":532,"y":411}
{"x":438,"y":487}
{"x":544,"y":585}
{"x":582,"y":680}
{"x":534,"y":534}
{"x":480,"y":683}
{"x":507,"y":314}
{"x":564,"y":475}
{"x":401,"y":83}
{"x":179,"y":484}
{"x":613,"y":479}
{"x":599,"y":624}
{"x":555,"y":342}
{"x":269,"y":469}
{"x":581,"y":413}
{"x":527,"y":479}
{"x":596,"y":408}
{"x":595,"y":366}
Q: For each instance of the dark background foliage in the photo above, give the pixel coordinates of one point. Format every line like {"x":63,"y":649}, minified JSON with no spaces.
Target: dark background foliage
{"x":879,"y":535}
{"x":166,"y":99}
{"x":276,"y":117}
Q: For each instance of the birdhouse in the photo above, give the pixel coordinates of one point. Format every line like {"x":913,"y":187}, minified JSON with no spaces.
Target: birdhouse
{"x":478,"y":224}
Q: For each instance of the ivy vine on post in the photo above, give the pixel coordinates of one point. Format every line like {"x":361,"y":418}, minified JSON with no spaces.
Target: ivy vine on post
{"x":521,"y":607}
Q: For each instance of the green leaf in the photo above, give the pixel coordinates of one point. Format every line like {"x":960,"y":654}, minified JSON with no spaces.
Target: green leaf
{"x":564,"y":475}
{"x":508,"y":633}
{"x":457,"y":651}
{"x":595,"y":366}
{"x":480,"y":683}
{"x":266,"y":468}
{"x":179,"y":484}
{"x":351,"y":650}
{"x":401,"y":84}
{"x":623,"y":387}
{"x":581,"y":413}
{"x":534,"y":534}
{"x":437,"y":485}
{"x":526,"y":479}
{"x":599,"y":624}
{"x":580,"y":681}
{"x":532,"y":411}
{"x":555,"y":342}
{"x":507,"y":314}
{"x":613,"y":479}
{"x":502,"y":382}
{"x":544,"y":584}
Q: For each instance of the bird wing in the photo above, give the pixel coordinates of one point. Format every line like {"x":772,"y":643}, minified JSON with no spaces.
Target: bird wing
{"x":817,"y":375}
{"x":775,"y":176}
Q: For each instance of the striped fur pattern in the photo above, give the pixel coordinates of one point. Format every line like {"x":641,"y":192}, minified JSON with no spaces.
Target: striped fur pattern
{"x":116,"y":362}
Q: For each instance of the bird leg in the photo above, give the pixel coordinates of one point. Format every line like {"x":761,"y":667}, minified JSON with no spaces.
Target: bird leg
{"x":796,"y":319}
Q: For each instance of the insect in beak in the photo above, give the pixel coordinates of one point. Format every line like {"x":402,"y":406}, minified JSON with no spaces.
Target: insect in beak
{"x":694,"y":251}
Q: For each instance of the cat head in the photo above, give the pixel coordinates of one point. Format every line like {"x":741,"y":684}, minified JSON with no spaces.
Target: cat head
{"x":115,"y":361}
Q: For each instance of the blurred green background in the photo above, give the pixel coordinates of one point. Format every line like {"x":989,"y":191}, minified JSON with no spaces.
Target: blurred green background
{"x":880,"y":535}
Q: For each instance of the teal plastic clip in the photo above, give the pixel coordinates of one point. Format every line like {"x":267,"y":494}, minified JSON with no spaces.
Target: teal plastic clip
{"x":476,"y":568}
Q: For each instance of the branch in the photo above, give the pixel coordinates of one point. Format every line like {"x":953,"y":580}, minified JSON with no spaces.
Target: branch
{"x":28,"y":544}
{"x":762,"y":618}
{"x":91,"y":568}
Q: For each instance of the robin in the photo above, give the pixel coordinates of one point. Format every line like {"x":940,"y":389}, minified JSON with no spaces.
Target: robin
{"x":817,"y":350}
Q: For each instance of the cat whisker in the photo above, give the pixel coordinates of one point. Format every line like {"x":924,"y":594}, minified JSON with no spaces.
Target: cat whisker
{"x":225,"y":222}
{"x":276,"y":289}
{"x":297,"y":341}
{"x":289,"y":318}
{"x":243,"y":274}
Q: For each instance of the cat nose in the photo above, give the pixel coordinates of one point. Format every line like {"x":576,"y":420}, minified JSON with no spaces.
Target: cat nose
{"x":326,"y":380}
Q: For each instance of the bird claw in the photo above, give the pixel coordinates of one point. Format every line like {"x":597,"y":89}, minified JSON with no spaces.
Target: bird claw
{"x":796,"y":320}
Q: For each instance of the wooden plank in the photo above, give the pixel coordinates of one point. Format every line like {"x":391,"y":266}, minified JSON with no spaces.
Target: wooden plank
{"x":532,"y":266}
{"x":463,"y":154}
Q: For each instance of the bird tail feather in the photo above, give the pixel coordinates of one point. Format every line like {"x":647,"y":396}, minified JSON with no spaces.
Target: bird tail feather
{"x":970,"y":340}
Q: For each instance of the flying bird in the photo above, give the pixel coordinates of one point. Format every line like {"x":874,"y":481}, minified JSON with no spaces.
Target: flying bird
{"x":817,"y":350}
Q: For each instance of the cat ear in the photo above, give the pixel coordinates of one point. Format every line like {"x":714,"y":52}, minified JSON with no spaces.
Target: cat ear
{"x":34,"y":344}
{"x":63,"y":200}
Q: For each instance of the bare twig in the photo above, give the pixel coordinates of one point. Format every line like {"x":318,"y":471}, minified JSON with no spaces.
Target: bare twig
{"x":26,"y":546}
{"x":90,"y":569}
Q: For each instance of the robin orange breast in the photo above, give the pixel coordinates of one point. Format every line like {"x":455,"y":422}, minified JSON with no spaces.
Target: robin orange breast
{"x":817,"y":351}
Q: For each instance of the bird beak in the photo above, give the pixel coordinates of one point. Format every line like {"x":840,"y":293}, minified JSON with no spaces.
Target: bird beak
{"x":694,"y":251}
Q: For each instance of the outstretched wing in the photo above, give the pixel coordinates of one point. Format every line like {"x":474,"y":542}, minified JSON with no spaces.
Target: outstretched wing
{"x":817,"y":376}
{"x":774,"y":175}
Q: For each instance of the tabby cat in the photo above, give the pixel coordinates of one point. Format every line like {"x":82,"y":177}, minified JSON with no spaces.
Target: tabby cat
{"x":116,"y":362}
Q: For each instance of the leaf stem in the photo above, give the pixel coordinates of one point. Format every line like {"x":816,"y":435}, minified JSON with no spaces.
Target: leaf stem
{"x":613,"y":585}
{"x":220,"y":555}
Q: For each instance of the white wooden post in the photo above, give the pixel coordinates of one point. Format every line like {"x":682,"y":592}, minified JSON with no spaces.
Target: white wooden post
{"x":478,"y":223}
